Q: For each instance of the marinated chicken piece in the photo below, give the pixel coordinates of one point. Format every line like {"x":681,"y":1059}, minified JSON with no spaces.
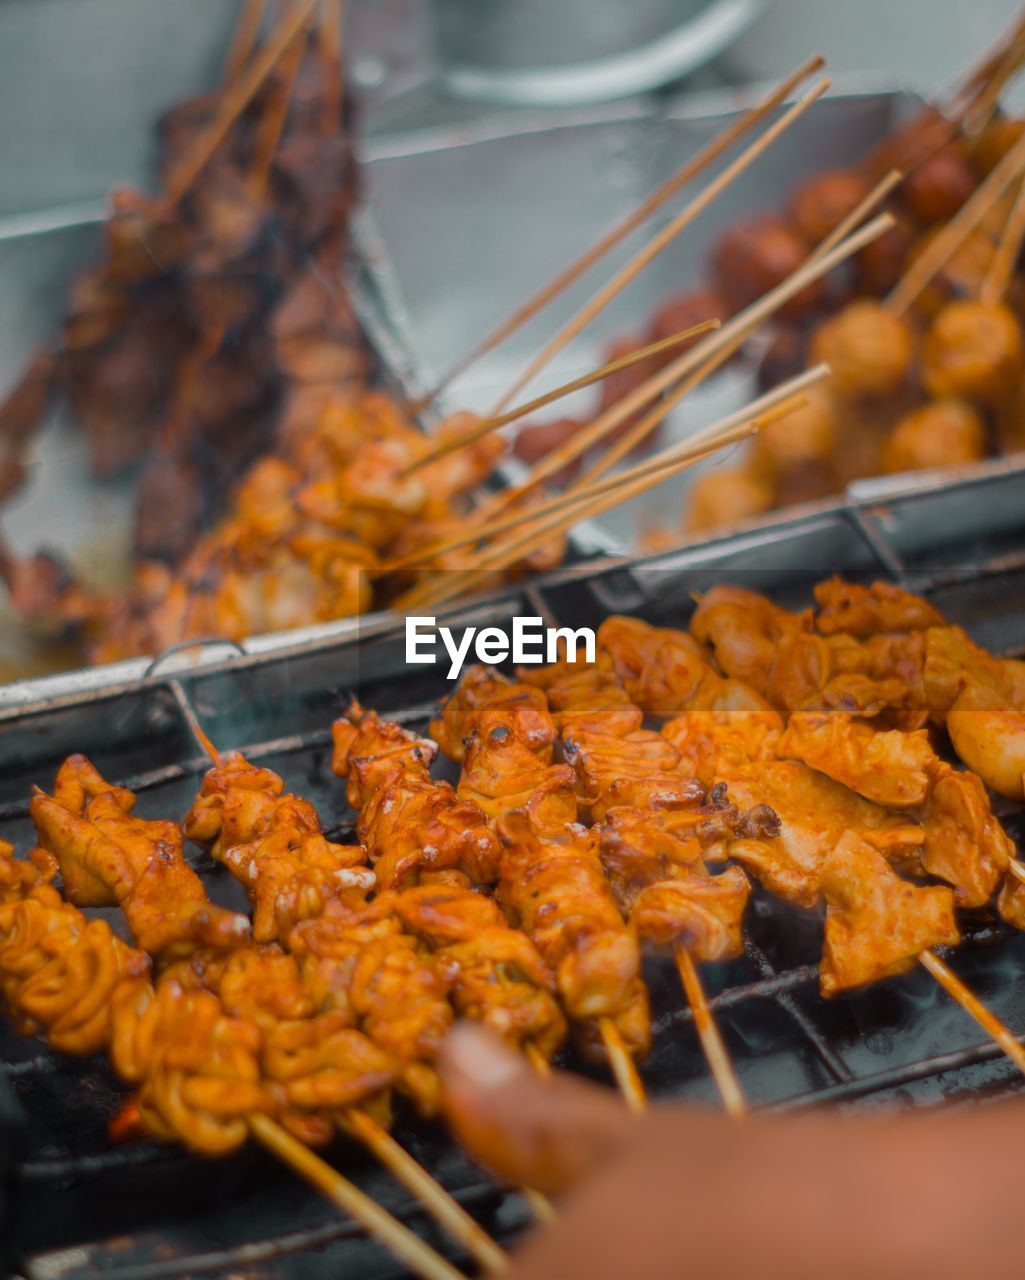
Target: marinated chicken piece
{"x":197,"y":1070}
{"x":501,"y":979}
{"x":408,"y":823}
{"x":666,"y":671}
{"x":965,"y":845}
{"x":989,"y":736}
{"x":877,"y":925}
{"x":483,"y":687}
{"x":59,"y":971}
{"x":501,"y":774}
{"x":359,"y":960}
{"x":107,"y":857}
{"x":713,"y":744}
{"x":813,"y":813}
{"x":617,"y":761}
{"x":553,"y":887}
{"x":664,"y":889}
{"x":890,"y":768}
{"x":776,"y":654}
{"x":72,"y":981}
{"x":855,"y":610}
{"x":953,"y":662}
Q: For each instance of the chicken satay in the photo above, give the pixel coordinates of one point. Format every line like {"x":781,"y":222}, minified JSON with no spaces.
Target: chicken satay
{"x":666,"y":671}
{"x":860,"y":611}
{"x":408,"y":823}
{"x":664,"y":888}
{"x":107,"y":857}
{"x":501,"y":774}
{"x":483,"y":687}
{"x":501,"y":979}
{"x":617,"y":761}
{"x":963,"y":843}
{"x":554,"y":888}
{"x":812,"y":812}
{"x":782,"y":660}
{"x":72,"y":981}
{"x":877,"y":925}
{"x":890,"y":768}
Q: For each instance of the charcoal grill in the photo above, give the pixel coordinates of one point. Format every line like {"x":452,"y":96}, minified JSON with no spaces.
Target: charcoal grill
{"x":142,"y":1211}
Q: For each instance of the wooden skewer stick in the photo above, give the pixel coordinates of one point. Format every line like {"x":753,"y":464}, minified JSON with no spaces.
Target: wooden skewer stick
{"x":486,"y":425}
{"x":610,"y":493}
{"x":708,"y":349}
{"x":445,"y":1209}
{"x":237,"y":98}
{"x":629,"y":1082}
{"x":860,"y":212}
{"x":330,"y":29}
{"x":716,"y":1054}
{"x":244,"y":39}
{"x":654,"y":247}
{"x":708,"y":355}
{"x":974,"y":1007}
{"x":768,"y":408}
{"x":272,"y":125}
{"x":396,"y":1237}
{"x":541,"y":1207}
{"x":574,"y":270}
{"x":957,"y":230}
{"x":1017,"y":869}
{"x":431,"y":1194}
{"x":1001,"y":269}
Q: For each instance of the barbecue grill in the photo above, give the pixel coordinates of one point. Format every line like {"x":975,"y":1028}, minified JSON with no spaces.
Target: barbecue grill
{"x":140,"y":1211}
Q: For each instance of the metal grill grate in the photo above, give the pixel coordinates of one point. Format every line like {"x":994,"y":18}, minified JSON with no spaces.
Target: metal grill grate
{"x":141,"y":1212}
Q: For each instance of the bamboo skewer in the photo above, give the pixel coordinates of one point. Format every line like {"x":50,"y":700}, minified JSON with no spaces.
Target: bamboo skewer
{"x":654,"y":247}
{"x":273,"y":124}
{"x":953,"y":235}
{"x":575,"y":269}
{"x":767,"y":408}
{"x":630,"y":1084}
{"x":1001,"y":269}
{"x":716,"y":1054}
{"x":725,"y":340}
{"x":446,"y":1210}
{"x":244,"y":39}
{"x":713,"y":346}
{"x":974,"y":1007}
{"x":1017,"y":869}
{"x":406,"y":1246}
{"x":486,"y":425}
{"x":543,"y":525}
{"x":237,"y":98}
{"x":413,"y":1176}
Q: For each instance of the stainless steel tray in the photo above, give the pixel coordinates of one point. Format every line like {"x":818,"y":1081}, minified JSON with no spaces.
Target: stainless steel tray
{"x":464,"y":224}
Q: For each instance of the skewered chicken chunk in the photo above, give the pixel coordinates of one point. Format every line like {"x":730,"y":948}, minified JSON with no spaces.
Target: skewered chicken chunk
{"x":408,"y":823}
{"x":877,"y":924}
{"x":480,"y":688}
{"x":553,"y":888}
{"x":890,"y":768}
{"x":108,"y":857}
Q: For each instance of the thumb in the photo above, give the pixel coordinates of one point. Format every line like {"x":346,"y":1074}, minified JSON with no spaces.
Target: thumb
{"x":538,"y":1132}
